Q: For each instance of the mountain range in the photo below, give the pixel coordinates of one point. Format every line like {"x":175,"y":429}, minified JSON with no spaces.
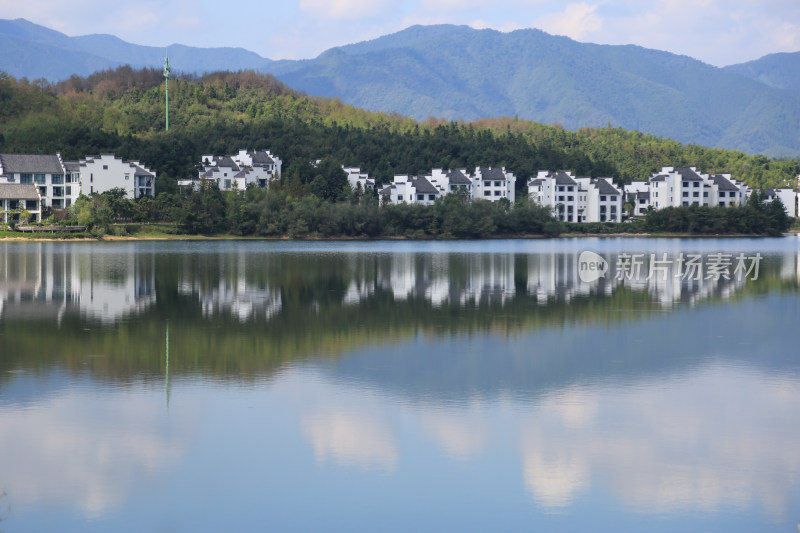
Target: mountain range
{"x":460,"y":73}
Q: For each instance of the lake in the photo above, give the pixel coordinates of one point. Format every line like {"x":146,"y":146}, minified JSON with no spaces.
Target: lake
{"x":613,"y":384}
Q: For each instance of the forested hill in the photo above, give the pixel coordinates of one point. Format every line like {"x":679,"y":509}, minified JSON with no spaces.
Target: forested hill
{"x":122,"y":111}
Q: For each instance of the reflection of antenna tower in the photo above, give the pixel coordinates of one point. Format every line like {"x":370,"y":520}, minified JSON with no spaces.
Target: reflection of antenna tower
{"x":167,"y":70}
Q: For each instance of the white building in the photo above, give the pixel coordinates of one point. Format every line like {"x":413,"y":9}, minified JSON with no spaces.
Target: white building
{"x":410,"y":190}
{"x":15,"y":198}
{"x":237,"y":171}
{"x":580,"y":199}
{"x":493,"y":183}
{"x":61,"y":182}
{"x":685,"y":186}
{"x":101,"y":173}
{"x":488,"y":183}
{"x":355,"y":178}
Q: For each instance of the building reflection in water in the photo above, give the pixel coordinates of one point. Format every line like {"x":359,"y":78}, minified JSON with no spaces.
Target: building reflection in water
{"x":47,"y":280}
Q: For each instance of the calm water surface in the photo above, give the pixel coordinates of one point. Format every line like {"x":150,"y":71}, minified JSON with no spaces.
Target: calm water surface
{"x":398,"y":386}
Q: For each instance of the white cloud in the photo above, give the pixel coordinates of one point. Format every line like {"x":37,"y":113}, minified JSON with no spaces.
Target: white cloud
{"x":576,"y":21}
{"x":352,"y":440}
{"x":344,"y":9}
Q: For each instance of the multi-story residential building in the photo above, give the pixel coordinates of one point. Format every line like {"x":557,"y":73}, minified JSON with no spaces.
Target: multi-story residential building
{"x":237,"y":171}
{"x":410,"y":190}
{"x":493,"y":183}
{"x":355,"y":178}
{"x":101,"y":173}
{"x":685,"y":186}
{"x":577,"y":199}
{"x":16,"y":198}
{"x":60,"y":182}
{"x":46,"y":172}
{"x":488,"y":183}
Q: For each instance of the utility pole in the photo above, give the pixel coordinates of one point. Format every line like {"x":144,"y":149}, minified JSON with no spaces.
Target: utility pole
{"x":166,"y":75}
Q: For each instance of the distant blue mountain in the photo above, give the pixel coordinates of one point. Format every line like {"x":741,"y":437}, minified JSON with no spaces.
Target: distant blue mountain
{"x":456,"y":72}
{"x":781,"y":71}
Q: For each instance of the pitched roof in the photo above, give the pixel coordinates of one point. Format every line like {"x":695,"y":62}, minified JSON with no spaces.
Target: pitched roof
{"x":604,"y":187}
{"x":72,"y":166}
{"x":457,"y":177}
{"x":423,"y":186}
{"x":562,"y":178}
{"x":492,"y":173}
{"x":141,"y":172}
{"x":261,"y":158}
{"x":659,"y":177}
{"x":31,"y":163}
{"x":537,"y":181}
{"x":226,"y":161}
{"x":14,"y":191}
{"x":723,"y":183}
{"x":688,"y":174}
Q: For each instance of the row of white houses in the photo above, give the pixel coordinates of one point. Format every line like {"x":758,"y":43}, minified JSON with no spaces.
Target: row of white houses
{"x":32,"y":182}
{"x":685,"y":186}
{"x":237,"y":171}
{"x":485,"y":183}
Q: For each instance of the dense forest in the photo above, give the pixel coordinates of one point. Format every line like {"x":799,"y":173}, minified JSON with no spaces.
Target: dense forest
{"x":122,"y":112}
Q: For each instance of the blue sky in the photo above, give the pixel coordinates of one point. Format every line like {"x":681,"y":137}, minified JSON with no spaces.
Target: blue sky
{"x":719,"y":32}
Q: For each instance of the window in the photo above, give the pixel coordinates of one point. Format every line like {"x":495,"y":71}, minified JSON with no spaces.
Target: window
{"x":497,"y":184}
{"x":91,"y":178}
{"x":399,"y":198}
{"x":602,"y":198}
{"x":487,"y":183}
{"x":105,"y":167}
{"x":560,"y":188}
{"x":487,"y":193}
{"x":722,"y":204}
{"x":685,"y":194}
{"x":696,"y":194}
{"x":227,"y":184}
{"x":705,"y":194}
{"x":26,"y":179}
{"x":30,"y":205}
{"x":40,"y":179}
{"x":497,"y":193}
{"x":43,"y":191}
{"x":420,"y":197}
{"x":431,"y":197}
{"x":685,"y":183}
{"x":685,"y":204}
{"x":696,"y":184}
{"x":561,"y":198}
{"x":69,"y":202}
{"x":58,"y":191}
{"x":641,"y":201}
{"x":569,"y":189}
{"x":58,"y":179}
{"x":570,"y":198}
{"x":68,"y":190}
{"x":127,"y":176}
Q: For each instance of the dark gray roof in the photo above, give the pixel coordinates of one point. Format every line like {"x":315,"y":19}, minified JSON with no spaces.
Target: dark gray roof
{"x":226,"y":161}
{"x":660,"y":177}
{"x":423,"y":186}
{"x":640,"y":194}
{"x":241,"y":174}
{"x":72,"y":166}
{"x":141,"y":172}
{"x":723,"y":183}
{"x":457,"y":177}
{"x":261,"y":159}
{"x":492,"y":173}
{"x":31,"y":164}
{"x":562,"y":178}
{"x":604,"y":187}
{"x":14,"y":191}
{"x":688,"y":174}
{"x":537,"y":181}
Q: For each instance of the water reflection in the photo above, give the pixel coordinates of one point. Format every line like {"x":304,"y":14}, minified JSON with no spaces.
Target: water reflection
{"x":483,"y":384}
{"x":46,"y":280}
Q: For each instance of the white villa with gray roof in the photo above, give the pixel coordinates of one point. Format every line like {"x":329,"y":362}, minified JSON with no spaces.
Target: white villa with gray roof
{"x":486,"y":183}
{"x":237,"y":171}
{"x":685,"y":186}
{"x":60,"y":182}
{"x":577,"y":199}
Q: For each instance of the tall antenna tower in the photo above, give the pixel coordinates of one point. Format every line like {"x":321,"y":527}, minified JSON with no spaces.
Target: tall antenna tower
{"x":167,"y":70}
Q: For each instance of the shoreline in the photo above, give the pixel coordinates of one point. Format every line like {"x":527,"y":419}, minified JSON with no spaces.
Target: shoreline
{"x":187,"y":237}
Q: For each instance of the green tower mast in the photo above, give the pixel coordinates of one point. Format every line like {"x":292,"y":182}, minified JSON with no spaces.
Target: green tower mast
{"x":167,"y":70}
